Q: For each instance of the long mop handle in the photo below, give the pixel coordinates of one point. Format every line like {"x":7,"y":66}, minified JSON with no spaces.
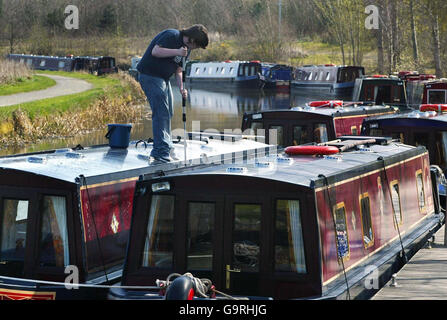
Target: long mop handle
{"x":184,"y":105}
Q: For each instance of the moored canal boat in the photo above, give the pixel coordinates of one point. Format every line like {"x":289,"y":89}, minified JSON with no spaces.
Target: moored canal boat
{"x":225,"y":75}
{"x":97,"y":65}
{"x":328,"y":80}
{"x":71,"y":208}
{"x":381,"y":89}
{"x":299,"y":125}
{"x":283,"y":226}
{"x":277,"y":76}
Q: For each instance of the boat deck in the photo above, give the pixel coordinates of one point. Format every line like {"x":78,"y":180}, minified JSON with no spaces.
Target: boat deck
{"x":423,"y":277}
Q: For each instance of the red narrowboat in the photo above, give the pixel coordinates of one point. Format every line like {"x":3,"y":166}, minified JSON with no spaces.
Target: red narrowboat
{"x":281,"y":226}
{"x":301,"y":125}
{"x":65,"y":214}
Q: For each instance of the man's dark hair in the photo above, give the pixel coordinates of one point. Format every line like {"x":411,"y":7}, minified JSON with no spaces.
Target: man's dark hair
{"x":198,"y":33}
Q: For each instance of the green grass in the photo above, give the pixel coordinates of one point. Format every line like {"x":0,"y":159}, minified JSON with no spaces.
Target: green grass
{"x":65,"y":103}
{"x":27,"y":85}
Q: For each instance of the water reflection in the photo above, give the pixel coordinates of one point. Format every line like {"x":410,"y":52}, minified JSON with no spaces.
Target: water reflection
{"x":218,"y":110}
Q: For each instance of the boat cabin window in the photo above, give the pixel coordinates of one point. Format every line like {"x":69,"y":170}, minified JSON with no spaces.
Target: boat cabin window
{"x":289,"y":244}
{"x":53,"y":233}
{"x":320,"y":133}
{"x":29,"y":62}
{"x":321,"y":76}
{"x":421,"y":139}
{"x":231,"y":70}
{"x":316,"y":75}
{"x":367,"y":229}
{"x":349,"y":75}
{"x":197,"y":70}
{"x":14,"y":218}
{"x":421,"y":191}
{"x":42,"y":63}
{"x":395,"y":197}
{"x":158,"y":246}
{"x":246,"y":237}
{"x":341,"y":230}
{"x":376,"y":132}
{"x":328,"y":76}
{"x":299,"y":135}
{"x":199,"y":239}
{"x":437,"y":96}
{"x":310,"y":76}
{"x":354,"y":130}
{"x":398,"y":136}
{"x":61,"y":64}
{"x":278,"y":133}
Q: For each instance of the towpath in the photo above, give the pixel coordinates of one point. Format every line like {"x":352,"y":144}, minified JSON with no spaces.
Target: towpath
{"x":64,"y":86}
{"x":423,"y":277}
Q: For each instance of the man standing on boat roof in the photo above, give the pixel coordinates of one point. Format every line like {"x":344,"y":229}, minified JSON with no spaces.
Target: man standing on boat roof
{"x":162,"y":59}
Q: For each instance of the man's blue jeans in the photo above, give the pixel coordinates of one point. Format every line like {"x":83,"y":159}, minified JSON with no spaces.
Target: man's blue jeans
{"x":159,"y":94}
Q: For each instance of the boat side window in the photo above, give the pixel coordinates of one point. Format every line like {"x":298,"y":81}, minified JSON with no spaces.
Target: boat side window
{"x":158,"y":246}
{"x":321,"y":76}
{"x":247,"y":237}
{"x":197,"y":70}
{"x":53,"y":233}
{"x":61,"y":64}
{"x":210,"y":70}
{"x":246,"y":71}
{"x":231,"y":70}
{"x":398,"y":135}
{"x":441,"y":149}
{"x":42,"y":63}
{"x":278,"y":133}
{"x":376,"y":132}
{"x":320,"y":133}
{"x":289,"y":243}
{"x":199,"y":239}
{"x":29,"y":62}
{"x":300,"y":135}
{"x":395,"y":197}
{"x":252,"y":71}
{"x":369,"y":93}
{"x":420,"y":190}
{"x":222,"y":71}
{"x":437,"y":96}
{"x":367,"y":228}
{"x":14,"y":217}
{"x":310,"y":76}
{"x":421,"y":139}
{"x":328,"y":76}
{"x":397,"y":93}
{"x":354,"y":130}
{"x":316,"y":75}
{"x":341,"y":231}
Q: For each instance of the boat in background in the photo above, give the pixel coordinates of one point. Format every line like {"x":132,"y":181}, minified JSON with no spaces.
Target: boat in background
{"x":277,"y":76}
{"x":225,"y":75}
{"x":71,"y":208}
{"x":328,"y":80}
{"x":95,"y":65}
{"x":133,"y":67}
{"x":282,"y":226}
{"x":324,"y":122}
{"x":381,"y":89}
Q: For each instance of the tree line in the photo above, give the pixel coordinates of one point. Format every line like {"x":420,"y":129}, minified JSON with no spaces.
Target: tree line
{"x":411,"y":33}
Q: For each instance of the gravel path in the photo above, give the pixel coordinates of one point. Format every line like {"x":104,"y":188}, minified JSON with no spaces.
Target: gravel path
{"x":64,"y":86}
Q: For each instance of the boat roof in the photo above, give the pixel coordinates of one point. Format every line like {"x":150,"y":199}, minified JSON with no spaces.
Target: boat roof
{"x":309,"y":171}
{"x":414,"y":116}
{"x":334,"y":112}
{"x":99,"y":161}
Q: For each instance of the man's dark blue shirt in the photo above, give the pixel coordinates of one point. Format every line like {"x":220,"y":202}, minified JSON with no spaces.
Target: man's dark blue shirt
{"x":162,"y":67}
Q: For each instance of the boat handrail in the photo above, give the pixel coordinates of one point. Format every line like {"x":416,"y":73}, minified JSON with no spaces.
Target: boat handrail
{"x":71,"y":285}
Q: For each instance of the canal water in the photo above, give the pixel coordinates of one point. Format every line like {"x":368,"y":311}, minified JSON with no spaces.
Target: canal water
{"x":219,"y":110}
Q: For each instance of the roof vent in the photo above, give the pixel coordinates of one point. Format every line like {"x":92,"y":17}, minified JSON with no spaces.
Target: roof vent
{"x":240,"y":170}
{"x":36,"y":160}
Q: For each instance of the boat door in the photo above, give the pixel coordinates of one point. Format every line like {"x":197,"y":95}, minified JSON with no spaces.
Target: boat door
{"x":242,"y":250}
{"x":223,"y":241}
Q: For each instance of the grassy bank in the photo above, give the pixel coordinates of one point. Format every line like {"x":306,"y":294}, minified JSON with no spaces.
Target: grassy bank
{"x":34,"y":83}
{"x":113,"y":98}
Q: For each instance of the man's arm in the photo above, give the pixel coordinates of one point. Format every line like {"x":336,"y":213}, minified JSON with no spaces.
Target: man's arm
{"x":178,"y":77}
{"x":161,"y":52}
